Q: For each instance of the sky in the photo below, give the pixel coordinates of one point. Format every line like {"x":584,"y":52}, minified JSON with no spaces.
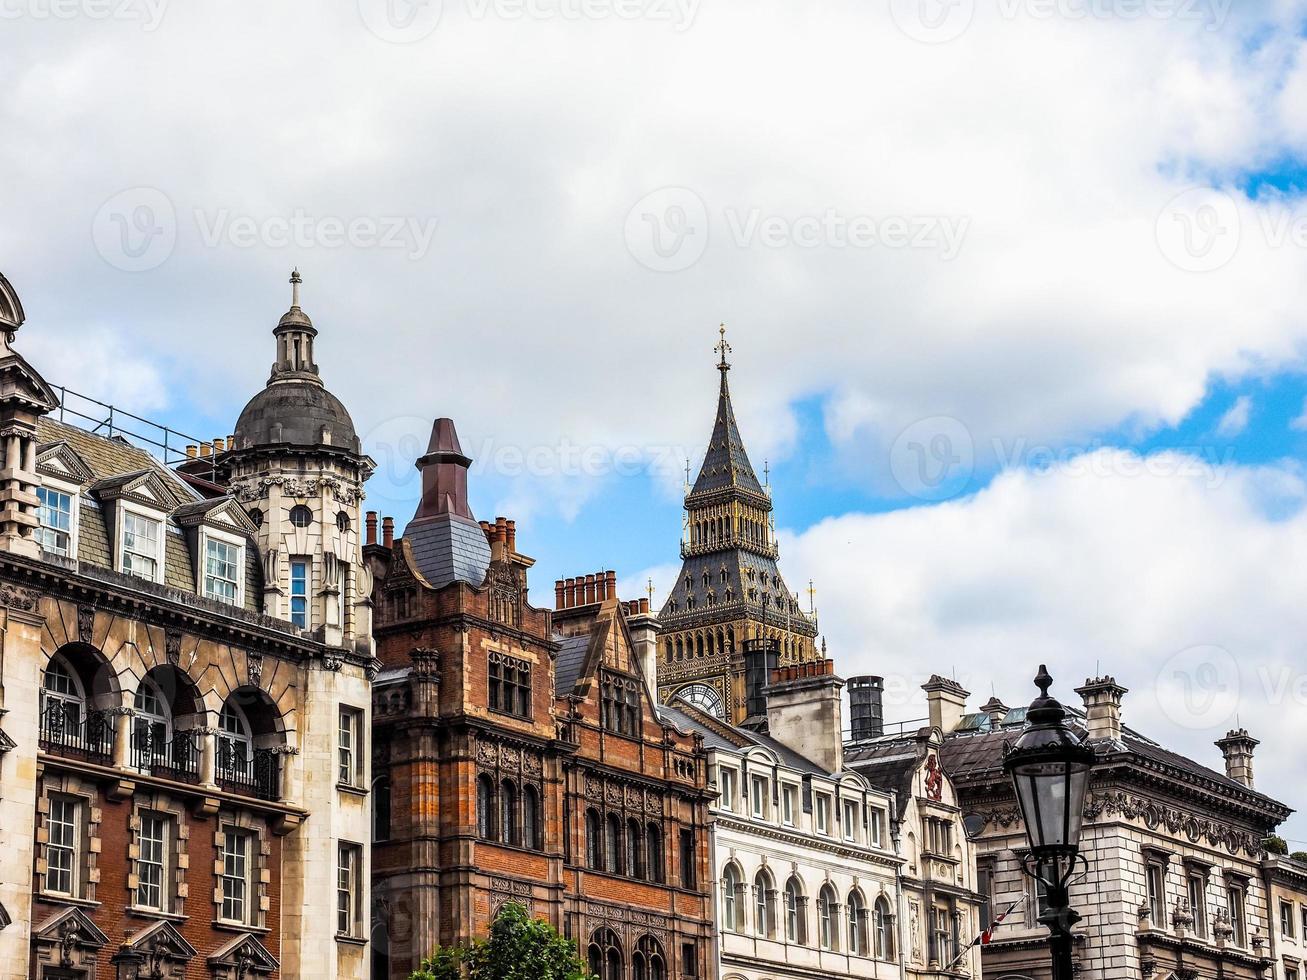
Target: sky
{"x":1013,"y":287}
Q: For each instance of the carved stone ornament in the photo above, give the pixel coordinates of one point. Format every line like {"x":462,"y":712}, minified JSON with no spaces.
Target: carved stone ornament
{"x":254,"y":669}
{"x":85,"y":624}
{"x":16,"y":597}
{"x":172,"y":645}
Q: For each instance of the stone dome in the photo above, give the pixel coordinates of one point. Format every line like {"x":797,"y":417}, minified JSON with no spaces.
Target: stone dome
{"x":296,"y":412}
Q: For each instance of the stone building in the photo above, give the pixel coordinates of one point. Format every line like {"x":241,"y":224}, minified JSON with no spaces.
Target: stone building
{"x":1173,"y":886}
{"x":806,"y":870}
{"x":182,"y":795}
{"x":519,"y":753}
{"x":730,"y":589}
{"x":942,"y":909}
{"x":1286,"y":892}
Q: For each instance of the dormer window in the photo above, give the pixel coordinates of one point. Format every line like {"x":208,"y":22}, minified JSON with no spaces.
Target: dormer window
{"x":223,"y":564}
{"x":57,"y":521}
{"x":142,"y":546}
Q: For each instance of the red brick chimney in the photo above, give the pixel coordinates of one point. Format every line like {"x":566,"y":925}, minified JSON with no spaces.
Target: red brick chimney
{"x":371,"y":523}
{"x":388,"y":532}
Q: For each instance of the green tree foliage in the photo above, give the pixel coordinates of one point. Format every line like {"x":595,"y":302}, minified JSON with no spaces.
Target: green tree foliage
{"x":1276,"y":845}
{"x":519,"y":948}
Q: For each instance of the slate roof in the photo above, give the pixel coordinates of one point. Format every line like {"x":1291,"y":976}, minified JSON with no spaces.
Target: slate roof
{"x":888,"y":763}
{"x":691,"y":719}
{"x":726,"y":464}
{"x":449,"y":548}
{"x":569,"y":661}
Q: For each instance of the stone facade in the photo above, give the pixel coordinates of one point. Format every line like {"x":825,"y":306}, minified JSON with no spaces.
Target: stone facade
{"x":1286,"y":895}
{"x":519,"y":754}
{"x":163,"y":795}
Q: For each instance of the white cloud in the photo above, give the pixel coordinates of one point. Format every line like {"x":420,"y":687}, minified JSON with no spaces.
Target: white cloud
{"x":1161,"y":580}
{"x":1235,"y":420}
{"x":1300,"y":423}
{"x":1043,"y":134}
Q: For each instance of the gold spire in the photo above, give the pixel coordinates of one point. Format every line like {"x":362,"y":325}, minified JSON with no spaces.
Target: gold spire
{"x":723,"y":348}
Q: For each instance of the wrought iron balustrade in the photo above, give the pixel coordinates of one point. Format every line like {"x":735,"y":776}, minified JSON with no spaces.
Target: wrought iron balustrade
{"x":170,"y":758}
{"x":245,"y":771}
{"x":65,"y":732}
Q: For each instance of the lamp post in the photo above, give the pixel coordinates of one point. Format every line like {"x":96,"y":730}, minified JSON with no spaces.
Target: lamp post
{"x":1049,"y":766}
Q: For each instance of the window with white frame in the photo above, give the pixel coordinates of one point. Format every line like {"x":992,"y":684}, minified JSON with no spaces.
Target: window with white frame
{"x":349,"y":747}
{"x":299,"y":592}
{"x":223,"y":562}
{"x":56,"y":515}
{"x":152,"y":865}
{"x":788,"y":808}
{"x":821,"y":813}
{"x":348,"y":880}
{"x":877,"y":823}
{"x":758,"y":796}
{"x":851,"y":819}
{"x":61,"y":694}
{"x":726,"y":781}
{"x":63,"y":849}
{"x":142,"y":546}
{"x":237,"y":874}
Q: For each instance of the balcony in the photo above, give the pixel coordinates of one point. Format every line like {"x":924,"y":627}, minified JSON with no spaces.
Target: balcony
{"x":176,"y":758}
{"x":64,"y":732}
{"x":254,"y":773}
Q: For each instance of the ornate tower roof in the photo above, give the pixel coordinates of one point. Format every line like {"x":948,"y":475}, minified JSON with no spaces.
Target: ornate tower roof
{"x":726,"y":464}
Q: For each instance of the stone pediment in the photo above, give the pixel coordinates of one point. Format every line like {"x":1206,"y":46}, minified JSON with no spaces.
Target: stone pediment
{"x":159,"y":950}
{"x":146,"y":487}
{"x":223,"y":513}
{"x":242,"y":956}
{"x":68,"y":940}
{"x":11,"y":307}
{"x":59,"y":461}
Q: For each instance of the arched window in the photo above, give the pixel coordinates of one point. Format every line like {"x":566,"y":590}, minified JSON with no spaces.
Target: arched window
{"x":796,"y":928}
{"x":653,"y":840}
{"x":485,"y":808}
{"x":733,"y":899}
{"x":152,"y":725}
{"x":647,"y":961}
{"x":613,"y":844}
{"x":531,"y":817}
{"x":634,"y":859}
{"x":605,"y":955}
{"x":508,"y":812}
{"x":883,"y":924}
{"x":827,"y":933}
{"x":764,"y":904}
{"x":857,"y":924}
{"x":235,"y":744}
{"x":594,"y":840}
{"x":63,"y":700}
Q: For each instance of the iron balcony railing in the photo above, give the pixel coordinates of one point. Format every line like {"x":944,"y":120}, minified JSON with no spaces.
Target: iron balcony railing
{"x":65,"y":732}
{"x":175,"y":758}
{"x":256,"y":772}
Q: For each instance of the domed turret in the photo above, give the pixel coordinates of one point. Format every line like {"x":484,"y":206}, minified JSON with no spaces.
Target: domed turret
{"x":295,"y":408}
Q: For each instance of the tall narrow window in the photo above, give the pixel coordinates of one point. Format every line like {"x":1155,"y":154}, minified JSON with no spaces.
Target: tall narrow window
{"x":347,"y":890}
{"x":634,"y":850}
{"x":822,"y":814}
{"x":531,"y":818}
{"x":152,"y":865}
{"x":594,"y":840}
{"x":222,"y":566}
{"x":732,"y":899}
{"x":826,"y":918}
{"x":62,"y":852}
{"x":1198,"y":904}
{"x":795,"y":926}
{"x":1156,"y":882}
{"x":653,"y":856}
{"x":485,"y":808}
{"x":140,"y":546}
{"x":236,"y":866}
{"x":1238,"y":922}
{"x":508,"y":812}
{"x":851,"y":820}
{"x":613,"y":844}
{"x":55,"y":533}
{"x":883,"y":924}
{"x":726,"y":781}
{"x":688,"y":859}
{"x":764,"y":900}
{"x":985,"y":888}
{"x":857,"y":910}
{"x":299,"y":592}
{"x":787,"y":805}
{"x":877,"y":820}
{"x":349,"y":747}
{"x":758,"y":796}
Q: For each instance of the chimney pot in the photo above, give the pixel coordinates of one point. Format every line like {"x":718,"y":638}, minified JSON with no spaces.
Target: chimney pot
{"x":947,"y":700}
{"x":192,"y":451}
{"x":601,"y":587}
{"x":217,"y":445}
{"x":388,"y":532}
{"x":206,"y":450}
{"x":610,"y":584}
{"x":558,"y":594}
{"x":644,"y":605}
{"x":512,"y":536}
{"x":570,"y":589}
{"x":1237,"y":748}
{"x":1102,"y":698}
{"x":371,"y":523}
{"x":866,"y":707}
{"x":589,"y":589}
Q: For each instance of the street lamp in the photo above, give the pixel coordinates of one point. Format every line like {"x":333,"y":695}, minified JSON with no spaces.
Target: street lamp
{"x":1050,"y":767}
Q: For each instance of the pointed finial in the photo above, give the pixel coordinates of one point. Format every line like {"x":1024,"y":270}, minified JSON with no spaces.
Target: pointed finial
{"x":295,"y":281}
{"x":1043,"y":681}
{"x":649,"y":587}
{"x":812,"y":598}
{"x":766,"y":472}
{"x":723,"y":348}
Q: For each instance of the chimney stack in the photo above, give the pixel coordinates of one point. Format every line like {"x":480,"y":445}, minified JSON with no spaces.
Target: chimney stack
{"x":761,"y":657}
{"x":947,"y":700}
{"x":1237,"y":747}
{"x":1102,"y":697}
{"x":804,"y":711}
{"x":866,"y":707}
{"x":644,"y":643}
{"x":388,"y":532}
{"x":371,"y":524}
{"x":996,"y":710}
{"x":511,"y":528}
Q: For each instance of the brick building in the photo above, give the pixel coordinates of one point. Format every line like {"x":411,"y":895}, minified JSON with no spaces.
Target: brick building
{"x":730,"y":589}
{"x":519,"y":753}
{"x":179,"y":796}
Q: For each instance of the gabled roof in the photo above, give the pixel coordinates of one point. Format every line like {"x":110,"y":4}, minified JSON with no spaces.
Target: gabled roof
{"x":72,"y":925}
{"x":221,"y":512}
{"x":244,"y":950}
{"x":146,"y":486}
{"x":161,"y":939}
{"x":60,"y":461}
